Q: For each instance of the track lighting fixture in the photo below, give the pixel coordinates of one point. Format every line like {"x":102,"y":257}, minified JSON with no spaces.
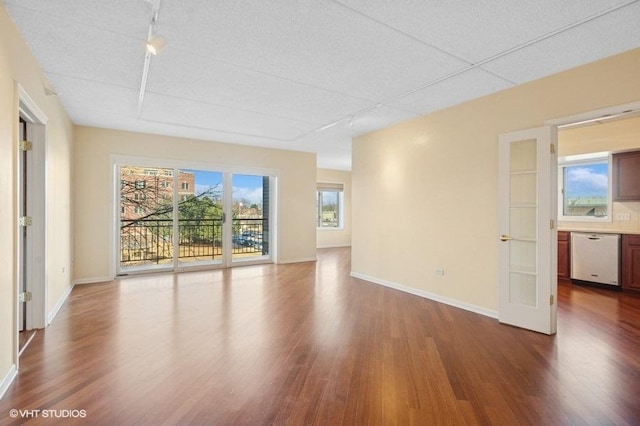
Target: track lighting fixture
{"x":155,"y":44}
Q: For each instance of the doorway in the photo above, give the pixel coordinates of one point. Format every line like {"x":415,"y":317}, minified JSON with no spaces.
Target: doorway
{"x":31,"y":224}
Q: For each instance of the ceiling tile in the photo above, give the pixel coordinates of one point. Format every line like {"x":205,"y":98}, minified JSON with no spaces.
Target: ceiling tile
{"x":125,"y":17}
{"x":470,"y":84}
{"x":316,"y":42}
{"x":81,"y":50}
{"x":219,"y":83}
{"x":183,"y":112}
{"x":611,"y":34}
{"x":94,"y":97}
{"x":476,"y":30}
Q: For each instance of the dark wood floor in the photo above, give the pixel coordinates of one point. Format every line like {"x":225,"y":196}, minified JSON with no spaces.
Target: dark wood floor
{"x":306,"y":344}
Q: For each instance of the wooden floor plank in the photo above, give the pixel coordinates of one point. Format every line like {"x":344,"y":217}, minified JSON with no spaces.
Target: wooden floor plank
{"x":307,"y":344}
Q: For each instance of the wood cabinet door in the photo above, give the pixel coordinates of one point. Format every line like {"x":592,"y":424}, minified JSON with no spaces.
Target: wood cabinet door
{"x":564,"y":259}
{"x":631,"y":262}
{"x":626,"y":176}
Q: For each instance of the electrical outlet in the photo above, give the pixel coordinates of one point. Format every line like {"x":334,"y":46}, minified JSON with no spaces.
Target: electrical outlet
{"x":439,"y":271}
{"x":623,"y":216}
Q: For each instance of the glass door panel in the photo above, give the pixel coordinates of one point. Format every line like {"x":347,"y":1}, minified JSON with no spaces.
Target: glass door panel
{"x":522,"y":206}
{"x":200,"y":217}
{"x":146,"y":218}
{"x":250,"y":212}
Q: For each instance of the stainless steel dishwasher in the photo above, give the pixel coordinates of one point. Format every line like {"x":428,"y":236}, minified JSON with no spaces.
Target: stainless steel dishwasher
{"x":595,"y":257}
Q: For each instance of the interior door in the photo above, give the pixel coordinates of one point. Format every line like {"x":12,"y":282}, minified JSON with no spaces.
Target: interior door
{"x":23,"y":255}
{"x":528,"y":238}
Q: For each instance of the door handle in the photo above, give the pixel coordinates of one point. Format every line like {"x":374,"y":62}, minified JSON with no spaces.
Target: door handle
{"x":505,"y":237}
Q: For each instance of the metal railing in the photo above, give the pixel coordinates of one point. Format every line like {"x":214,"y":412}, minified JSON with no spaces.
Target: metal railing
{"x":150,"y":241}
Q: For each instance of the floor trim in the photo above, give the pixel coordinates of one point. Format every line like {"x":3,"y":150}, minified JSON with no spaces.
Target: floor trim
{"x":58,"y":306}
{"x":8,"y":379}
{"x":427,"y":295}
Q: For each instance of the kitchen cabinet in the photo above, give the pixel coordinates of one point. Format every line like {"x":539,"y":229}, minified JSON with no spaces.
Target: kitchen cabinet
{"x":564,"y":258}
{"x":626,"y":176}
{"x":631,"y":262}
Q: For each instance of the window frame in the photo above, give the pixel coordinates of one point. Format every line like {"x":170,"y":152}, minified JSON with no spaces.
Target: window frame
{"x":585,"y":160}
{"x":338,"y":188}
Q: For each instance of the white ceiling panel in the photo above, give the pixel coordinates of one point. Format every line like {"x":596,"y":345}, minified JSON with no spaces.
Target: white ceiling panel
{"x":165,"y":109}
{"x":470,"y":84}
{"x":377,"y":118}
{"x":125,"y":17}
{"x":95,"y":98}
{"x":317,"y":42}
{"x":125,"y":122}
{"x":219,"y":83}
{"x":81,"y":50}
{"x":613,"y":33}
{"x":476,"y":30}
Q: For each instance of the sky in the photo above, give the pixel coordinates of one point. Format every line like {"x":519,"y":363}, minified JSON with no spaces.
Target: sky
{"x":244,"y":186}
{"x":583,"y":181}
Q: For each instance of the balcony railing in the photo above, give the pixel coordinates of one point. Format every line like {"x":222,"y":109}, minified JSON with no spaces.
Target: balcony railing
{"x":150,"y":241}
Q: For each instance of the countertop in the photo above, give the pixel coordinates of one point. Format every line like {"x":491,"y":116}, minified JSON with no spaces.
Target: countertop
{"x":599,"y":231}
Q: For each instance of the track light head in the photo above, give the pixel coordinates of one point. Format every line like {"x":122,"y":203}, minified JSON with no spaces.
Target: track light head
{"x":155,"y":44}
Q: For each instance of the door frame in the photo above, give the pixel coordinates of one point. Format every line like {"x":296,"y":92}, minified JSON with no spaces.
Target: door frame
{"x":556,"y":124}
{"x":36,"y":315}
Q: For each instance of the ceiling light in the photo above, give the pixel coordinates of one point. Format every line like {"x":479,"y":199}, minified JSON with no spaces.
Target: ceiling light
{"x":155,"y":44}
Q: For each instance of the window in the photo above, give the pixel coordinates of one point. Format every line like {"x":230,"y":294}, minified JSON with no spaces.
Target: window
{"x":185,"y":186}
{"x":140,"y":184}
{"x":329,"y":205}
{"x":584,"y":187}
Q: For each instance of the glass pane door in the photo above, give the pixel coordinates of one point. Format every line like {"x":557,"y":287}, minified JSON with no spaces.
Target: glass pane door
{"x":200,"y":217}
{"x":250,"y":211}
{"x":528,"y":247}
{"x":146,"y":218}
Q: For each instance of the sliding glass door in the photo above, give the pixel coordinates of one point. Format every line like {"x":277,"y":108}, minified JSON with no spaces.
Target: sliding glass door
{"x":178,"y":218}
{"x":146,"y":217}
{"x":250,"y":210}
{"x":200,"y":217}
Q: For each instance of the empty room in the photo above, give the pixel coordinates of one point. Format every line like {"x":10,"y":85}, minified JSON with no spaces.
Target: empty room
{"x":319,"y":212}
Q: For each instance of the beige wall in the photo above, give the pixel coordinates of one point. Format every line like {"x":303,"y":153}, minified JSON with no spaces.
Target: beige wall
{"x":429,"y":186}
{"x":94,"y":194}
{"x":17,"y":66}
{"x":621,"y":135}
{"x":337,"y":237}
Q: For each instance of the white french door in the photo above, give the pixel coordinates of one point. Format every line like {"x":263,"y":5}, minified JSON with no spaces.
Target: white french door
{"x":528,"y":238}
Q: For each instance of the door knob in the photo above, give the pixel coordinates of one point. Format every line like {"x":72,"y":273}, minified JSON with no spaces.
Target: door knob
{"x":505,"y":237}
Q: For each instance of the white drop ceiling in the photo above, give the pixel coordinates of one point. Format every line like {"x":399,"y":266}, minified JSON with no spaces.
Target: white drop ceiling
{"x":305,"y":75}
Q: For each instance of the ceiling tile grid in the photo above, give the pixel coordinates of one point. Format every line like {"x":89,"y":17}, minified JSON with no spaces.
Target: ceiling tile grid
{"x":305,"y":74}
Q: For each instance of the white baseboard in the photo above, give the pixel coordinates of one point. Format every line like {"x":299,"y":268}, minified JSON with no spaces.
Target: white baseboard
{"x":302,"y":259}
{"x":58,"y":306}
{"x":334,"y":246}
{"x":427,"y":295}
{"x":92,"y":280}
{"x":8,"y":379}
